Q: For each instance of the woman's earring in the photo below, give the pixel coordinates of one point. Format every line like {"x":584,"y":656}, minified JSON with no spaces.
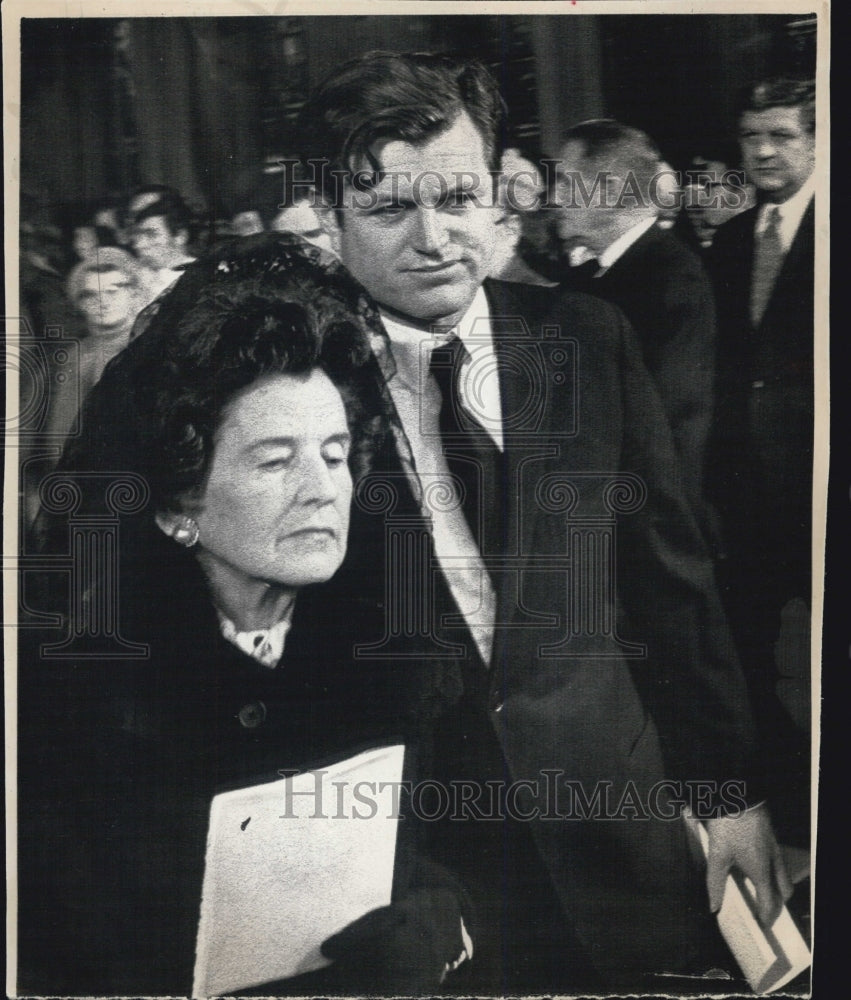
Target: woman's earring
{"x":186,"y":533}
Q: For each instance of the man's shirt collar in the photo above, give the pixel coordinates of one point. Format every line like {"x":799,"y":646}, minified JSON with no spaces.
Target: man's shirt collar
{"x":791,"y":212}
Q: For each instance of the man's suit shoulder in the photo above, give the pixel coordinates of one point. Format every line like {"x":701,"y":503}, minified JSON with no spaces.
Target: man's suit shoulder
{"x":670,"y":254}
{"x":660,"y":267}
{"x":734,"y":229}
{"x":539,"y":306}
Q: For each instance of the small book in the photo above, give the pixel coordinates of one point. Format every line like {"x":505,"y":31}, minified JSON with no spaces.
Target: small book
{"x":289,"y":863}
{"x":769,"y":957}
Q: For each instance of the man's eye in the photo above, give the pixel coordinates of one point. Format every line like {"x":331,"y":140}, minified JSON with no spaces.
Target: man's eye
{"x":392,"y":210}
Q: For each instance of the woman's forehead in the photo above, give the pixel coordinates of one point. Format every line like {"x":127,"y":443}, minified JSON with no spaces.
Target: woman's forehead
{"x":285,"y":405}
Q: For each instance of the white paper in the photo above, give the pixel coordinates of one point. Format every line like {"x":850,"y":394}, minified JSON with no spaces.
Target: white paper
{"x":289,"y":863}
{"x":768,"y":957}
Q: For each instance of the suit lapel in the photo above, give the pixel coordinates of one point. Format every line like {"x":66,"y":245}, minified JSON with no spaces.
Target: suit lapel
{"x":516,"y":311}
{"x":802,"y":247}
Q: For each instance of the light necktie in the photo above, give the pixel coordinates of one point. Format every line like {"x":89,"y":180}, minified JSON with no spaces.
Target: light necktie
{"x":768,"y":257}
{"x":471,"y":454}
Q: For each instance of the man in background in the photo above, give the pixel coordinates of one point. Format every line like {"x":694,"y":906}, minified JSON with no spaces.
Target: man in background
{"x":610,"y":192}
{"x":760,"y":475}
{"x":160,"y":224}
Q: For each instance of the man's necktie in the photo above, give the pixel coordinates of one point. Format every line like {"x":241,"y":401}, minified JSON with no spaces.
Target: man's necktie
{"x":471,"y":454}
{"x":768,"y":257}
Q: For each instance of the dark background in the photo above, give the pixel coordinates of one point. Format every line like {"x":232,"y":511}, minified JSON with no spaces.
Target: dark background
{"x":197,"y":103}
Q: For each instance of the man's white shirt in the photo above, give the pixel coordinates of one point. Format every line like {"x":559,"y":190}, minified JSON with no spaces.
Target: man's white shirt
{"x":791,"y":213}
{"x":418,"y":400}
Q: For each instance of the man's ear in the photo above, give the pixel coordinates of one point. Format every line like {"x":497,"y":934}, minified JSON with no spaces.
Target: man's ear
{"x":181,"y":238}
{"x":330,"y":221}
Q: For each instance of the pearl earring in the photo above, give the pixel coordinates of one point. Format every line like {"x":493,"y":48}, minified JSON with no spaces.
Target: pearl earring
{"x":186,"y":533}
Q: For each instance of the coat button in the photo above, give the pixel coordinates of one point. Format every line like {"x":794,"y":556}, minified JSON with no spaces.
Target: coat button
{"x":252,"y":715}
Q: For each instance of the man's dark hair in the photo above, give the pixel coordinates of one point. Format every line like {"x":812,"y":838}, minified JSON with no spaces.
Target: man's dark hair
{"x":389,"y":95}
{"x":619,"y":149}
{"x":168,"y":204}
{"x":782,"y":92}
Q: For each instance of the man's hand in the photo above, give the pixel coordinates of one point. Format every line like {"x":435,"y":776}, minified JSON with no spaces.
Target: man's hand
{"x":746,"y":842}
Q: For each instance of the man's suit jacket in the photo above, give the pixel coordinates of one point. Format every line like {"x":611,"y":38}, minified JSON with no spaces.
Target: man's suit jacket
{"x":586,"y":621}
{"x":763,"y":436}
{"x":759,"y":477}
{"x":665,"y":293}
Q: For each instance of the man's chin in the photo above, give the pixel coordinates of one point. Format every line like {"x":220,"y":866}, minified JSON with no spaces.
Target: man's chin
{"x":436,"y":305}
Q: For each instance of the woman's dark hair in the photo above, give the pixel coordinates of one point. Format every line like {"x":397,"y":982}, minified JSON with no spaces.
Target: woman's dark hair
{"x":250,"y":308}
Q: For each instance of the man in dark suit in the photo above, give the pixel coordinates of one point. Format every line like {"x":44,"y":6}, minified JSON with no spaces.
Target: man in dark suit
{"x":610,"y":197}
{"x":760,"y":475}
{"x":555,"y":549}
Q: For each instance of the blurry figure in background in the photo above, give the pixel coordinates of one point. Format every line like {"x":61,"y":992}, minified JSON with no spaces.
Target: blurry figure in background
{"x":108,"y":290}
{"x":44,"y":261}
{"x":713,"y":196}
{"x":47,"y":322}
{"x":273,"y":204}
{"x":669,"y":196}
{"x":88,"y":227}
{"x":525,"y":227}
{"x":87,"y":240}
{"x":300,"y":219}
{"x":107,"y":216}
{"x":247,"y":222}
{"x":612,"y":182}
{"x":160,"y":227}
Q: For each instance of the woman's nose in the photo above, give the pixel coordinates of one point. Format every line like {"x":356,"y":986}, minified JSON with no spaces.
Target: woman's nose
{"x":320,"y":481}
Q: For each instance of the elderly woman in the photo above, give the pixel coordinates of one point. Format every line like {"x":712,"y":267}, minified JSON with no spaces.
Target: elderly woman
{"x":242,"y":414}
{"x":107,"y":289}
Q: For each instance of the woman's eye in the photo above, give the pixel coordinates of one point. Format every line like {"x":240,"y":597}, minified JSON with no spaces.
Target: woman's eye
{"x":276,"y":464}
{"x":335,"y":454}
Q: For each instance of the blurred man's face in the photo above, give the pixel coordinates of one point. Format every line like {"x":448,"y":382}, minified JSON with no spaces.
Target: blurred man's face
{"x":582,"y":210}
{"x":778,"y":151}
{"x":422,"y":240}
{"x":304,"y":222}
{"x":154,"y":243}
{"x":107,"y":301}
